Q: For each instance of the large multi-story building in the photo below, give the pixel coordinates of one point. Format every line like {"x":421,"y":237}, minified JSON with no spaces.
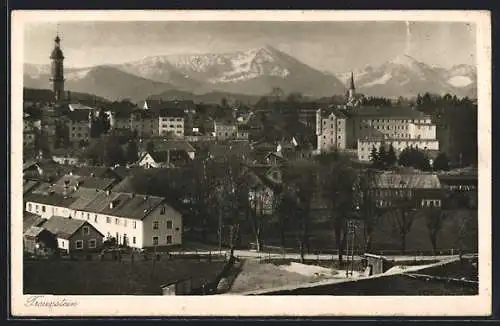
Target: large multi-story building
{"x":79,"y":125}
{"x":401,"y":127}
{"x":145,"y":123}
{"x":171,"y":121}
{"x":225,"y":129}
{"x":152,"y":122}
{"x":331,"y":129}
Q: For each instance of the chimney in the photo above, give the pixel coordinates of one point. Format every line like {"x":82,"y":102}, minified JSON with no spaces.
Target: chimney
{"x":111,"y":205}
{"x":108,"y":192}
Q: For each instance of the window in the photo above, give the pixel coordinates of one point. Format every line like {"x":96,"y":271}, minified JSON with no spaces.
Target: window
{"x":43,"y":208}
{"x":169,"y":239}
{"x":92,"y":243}
{"x":79,"y":244}
{"x":169,"y":224}
{"x":155,"y":225}
{"x":88,"y":216}
{"x":29,"y":206}
{"x":36,"y":207}
{"x":125,"y":222}
{"x":133,"y":240}
{"x":85,"y":230}
{"x":95,"y":218}
{"x":162,"y":211}
{"x":134,"y":224}
{"x":117,"y":221}
{"x":108,"y":219}
{"x":155,"y":241}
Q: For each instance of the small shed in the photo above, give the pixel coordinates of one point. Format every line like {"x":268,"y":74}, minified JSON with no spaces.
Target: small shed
{"x":376,"y":264}
{"x":38,"y":240}
{"x":180,"y":287}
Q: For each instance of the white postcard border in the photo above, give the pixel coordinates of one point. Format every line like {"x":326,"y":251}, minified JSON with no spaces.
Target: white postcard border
{"x":227,"y":305}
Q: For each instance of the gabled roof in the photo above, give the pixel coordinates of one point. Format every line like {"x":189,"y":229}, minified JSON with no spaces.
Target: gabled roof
{"x":138,"y":206}
{"x":127,"y":205}
{"x":33,"y":231}
{"x":28,"y":185}
{"x":53,"y":200}
{"x":407,"y":181}
{"x":29,"y":164}
{"x":30,"y":219}
{"x":84,"y":197}
{"x":326,"y":112}
{"x":173,"y":145}
{"x":97,"y":183}
{"x":388,"y":112}
{"x":225,"y":122}
{"x":88,"y":171}
{"x":100,"y":202}
{"x":79,"y":106}
{"x":145,"y":114}
{"x":79,"y":115}
{"x":157,"y":156}
{"x":64,"y":227}
{"x":171,"y":112}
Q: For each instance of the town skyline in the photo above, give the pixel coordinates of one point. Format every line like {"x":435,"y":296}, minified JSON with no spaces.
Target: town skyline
{"x":327,"y":46}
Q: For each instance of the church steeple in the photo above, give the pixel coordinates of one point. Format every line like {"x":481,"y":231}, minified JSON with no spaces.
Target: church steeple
{"x":57,"y":69}
{"x":351,"y":91}
{"x":351,"y":83}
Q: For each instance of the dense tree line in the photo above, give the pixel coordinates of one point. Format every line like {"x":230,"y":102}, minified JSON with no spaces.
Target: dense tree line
{"x":459,"y":117}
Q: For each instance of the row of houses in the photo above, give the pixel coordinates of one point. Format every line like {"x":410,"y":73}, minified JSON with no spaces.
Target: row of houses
{"x":135,"y":220}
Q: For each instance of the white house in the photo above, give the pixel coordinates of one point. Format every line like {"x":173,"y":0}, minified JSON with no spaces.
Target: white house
{"x":136,"y":220}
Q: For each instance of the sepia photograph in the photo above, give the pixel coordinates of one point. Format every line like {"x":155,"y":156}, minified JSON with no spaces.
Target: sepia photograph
{"x":223,"y":156}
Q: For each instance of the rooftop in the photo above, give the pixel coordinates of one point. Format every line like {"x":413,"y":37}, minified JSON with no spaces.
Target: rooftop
{"x":63,"y":227}
{"x":53,"y":199}
{"x":407,"y":181}
{"x":30,"y":219}
{"x":125,"y":204}
{"x":388,"y":112}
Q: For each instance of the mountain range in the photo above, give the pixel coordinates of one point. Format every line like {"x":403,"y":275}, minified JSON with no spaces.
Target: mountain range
{"x":254,"y":72}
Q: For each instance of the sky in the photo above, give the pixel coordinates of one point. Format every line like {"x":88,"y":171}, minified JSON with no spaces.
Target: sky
{"x":328,"y":46}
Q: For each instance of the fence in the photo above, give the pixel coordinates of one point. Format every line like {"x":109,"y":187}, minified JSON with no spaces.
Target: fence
{"x":269,"y":253}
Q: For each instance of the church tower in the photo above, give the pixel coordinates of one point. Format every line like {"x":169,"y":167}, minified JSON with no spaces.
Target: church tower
{"x":57,"y":70}
{"x":352,"y":90}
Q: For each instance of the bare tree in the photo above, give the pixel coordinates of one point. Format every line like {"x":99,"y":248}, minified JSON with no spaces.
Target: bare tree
{"x":300,"y":180}
{"x":369,"y":209}
{"x":403,"y":211}
{"x":435,"y":218}
{"x":339,"y":190}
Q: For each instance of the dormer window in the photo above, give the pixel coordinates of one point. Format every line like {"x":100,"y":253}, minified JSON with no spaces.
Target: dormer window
{"x":162,"y":211}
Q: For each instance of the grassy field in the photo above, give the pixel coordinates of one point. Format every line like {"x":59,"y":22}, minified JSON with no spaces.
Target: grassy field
{"x":66,"y":277}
